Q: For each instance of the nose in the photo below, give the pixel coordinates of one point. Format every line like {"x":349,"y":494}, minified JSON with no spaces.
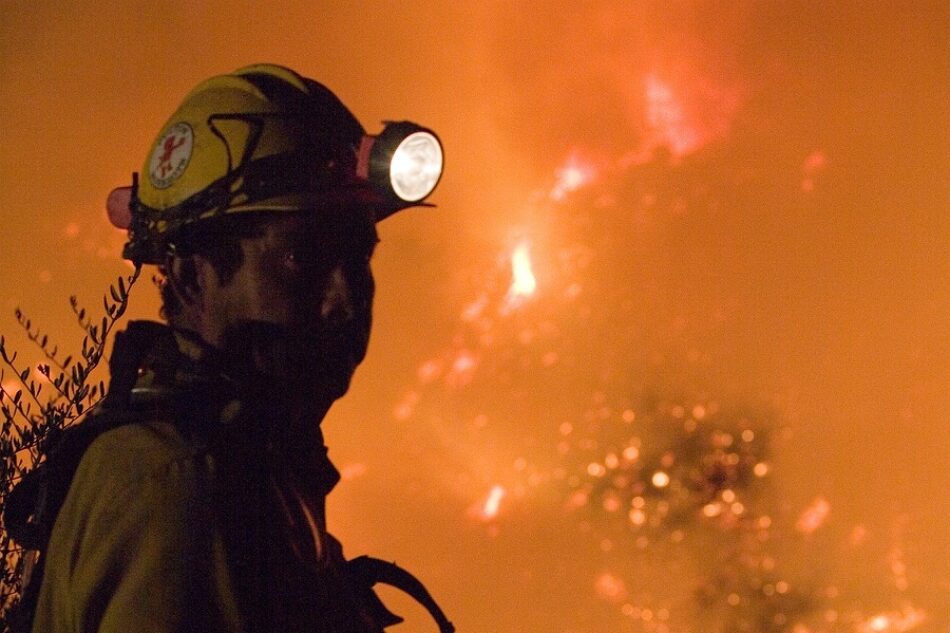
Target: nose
{"x":337,"y":304}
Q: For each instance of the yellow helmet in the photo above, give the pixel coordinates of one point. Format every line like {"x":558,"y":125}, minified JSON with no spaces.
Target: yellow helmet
{"x":264,"y":138}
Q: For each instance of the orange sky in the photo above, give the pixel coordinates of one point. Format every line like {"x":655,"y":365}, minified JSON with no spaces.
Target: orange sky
{"x":753,"y":209}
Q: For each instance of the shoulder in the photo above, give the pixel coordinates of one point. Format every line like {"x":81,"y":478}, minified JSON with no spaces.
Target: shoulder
{"x":146,"y":446}
{"x":138,"y":504}
{"x":123,"y":462}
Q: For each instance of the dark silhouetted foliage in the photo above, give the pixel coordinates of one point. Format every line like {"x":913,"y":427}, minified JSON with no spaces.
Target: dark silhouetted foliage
{"x":39,"y":408}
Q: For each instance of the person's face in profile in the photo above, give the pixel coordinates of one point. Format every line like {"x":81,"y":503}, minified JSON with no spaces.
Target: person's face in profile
{"x":308,"y":275}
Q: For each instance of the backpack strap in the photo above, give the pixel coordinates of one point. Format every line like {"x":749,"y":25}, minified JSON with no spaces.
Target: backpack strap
{"x":366,"y":571}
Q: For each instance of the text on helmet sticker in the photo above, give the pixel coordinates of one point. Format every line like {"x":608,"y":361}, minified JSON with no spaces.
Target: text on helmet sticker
{"x":171,"y":155}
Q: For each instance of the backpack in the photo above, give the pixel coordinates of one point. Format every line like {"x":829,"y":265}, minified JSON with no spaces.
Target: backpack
{"x":32,"y":506}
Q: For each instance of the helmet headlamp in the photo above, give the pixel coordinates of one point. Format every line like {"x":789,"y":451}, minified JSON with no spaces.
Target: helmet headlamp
{"x":404,"y":161}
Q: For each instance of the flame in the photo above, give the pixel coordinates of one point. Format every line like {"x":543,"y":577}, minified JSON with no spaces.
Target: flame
{"x":523,"y":282}
{"x":493,"y":502}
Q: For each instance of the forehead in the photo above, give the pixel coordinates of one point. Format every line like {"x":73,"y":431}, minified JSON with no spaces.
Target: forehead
{"x":340,"y":227}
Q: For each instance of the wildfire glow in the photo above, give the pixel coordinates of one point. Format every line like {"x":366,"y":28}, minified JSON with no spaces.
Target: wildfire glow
{"x":682,"y":114}
{"x":666,"y":117}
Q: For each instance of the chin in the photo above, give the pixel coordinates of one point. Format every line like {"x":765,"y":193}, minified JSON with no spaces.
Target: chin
{"x":331,"y":386}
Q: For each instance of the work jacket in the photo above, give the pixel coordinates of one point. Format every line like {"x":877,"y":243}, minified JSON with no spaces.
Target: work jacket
{"x":190,"y":517}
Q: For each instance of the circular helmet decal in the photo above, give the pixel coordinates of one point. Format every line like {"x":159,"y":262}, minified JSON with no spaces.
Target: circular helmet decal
{"x":171,"y":155}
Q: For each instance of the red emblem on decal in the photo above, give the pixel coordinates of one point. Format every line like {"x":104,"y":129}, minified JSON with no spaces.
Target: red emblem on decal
{"x":171,"y":155}
{"x":165,"y":160}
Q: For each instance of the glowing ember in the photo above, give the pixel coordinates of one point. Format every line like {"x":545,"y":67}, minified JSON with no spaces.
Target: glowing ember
{"x":813,"y":516}
{"x":429,"y":371}
{"x":815,"y":163}
{"x":474,"y":310}
{"x":858,"y":536}
{"x":660,"y":479}
{"x":610,"y":588}
{"x":463,"y":363}
{"x":404,"y":410}
{"x":493,"y":502}
{"x":462,"y":369}
{"x":352,"y":471}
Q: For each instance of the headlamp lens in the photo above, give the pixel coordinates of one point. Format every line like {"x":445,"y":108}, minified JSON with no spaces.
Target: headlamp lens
{"x":416,"y":166}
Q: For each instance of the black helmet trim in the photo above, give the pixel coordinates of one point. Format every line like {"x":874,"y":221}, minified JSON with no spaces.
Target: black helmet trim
{"x":261,"y":179}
